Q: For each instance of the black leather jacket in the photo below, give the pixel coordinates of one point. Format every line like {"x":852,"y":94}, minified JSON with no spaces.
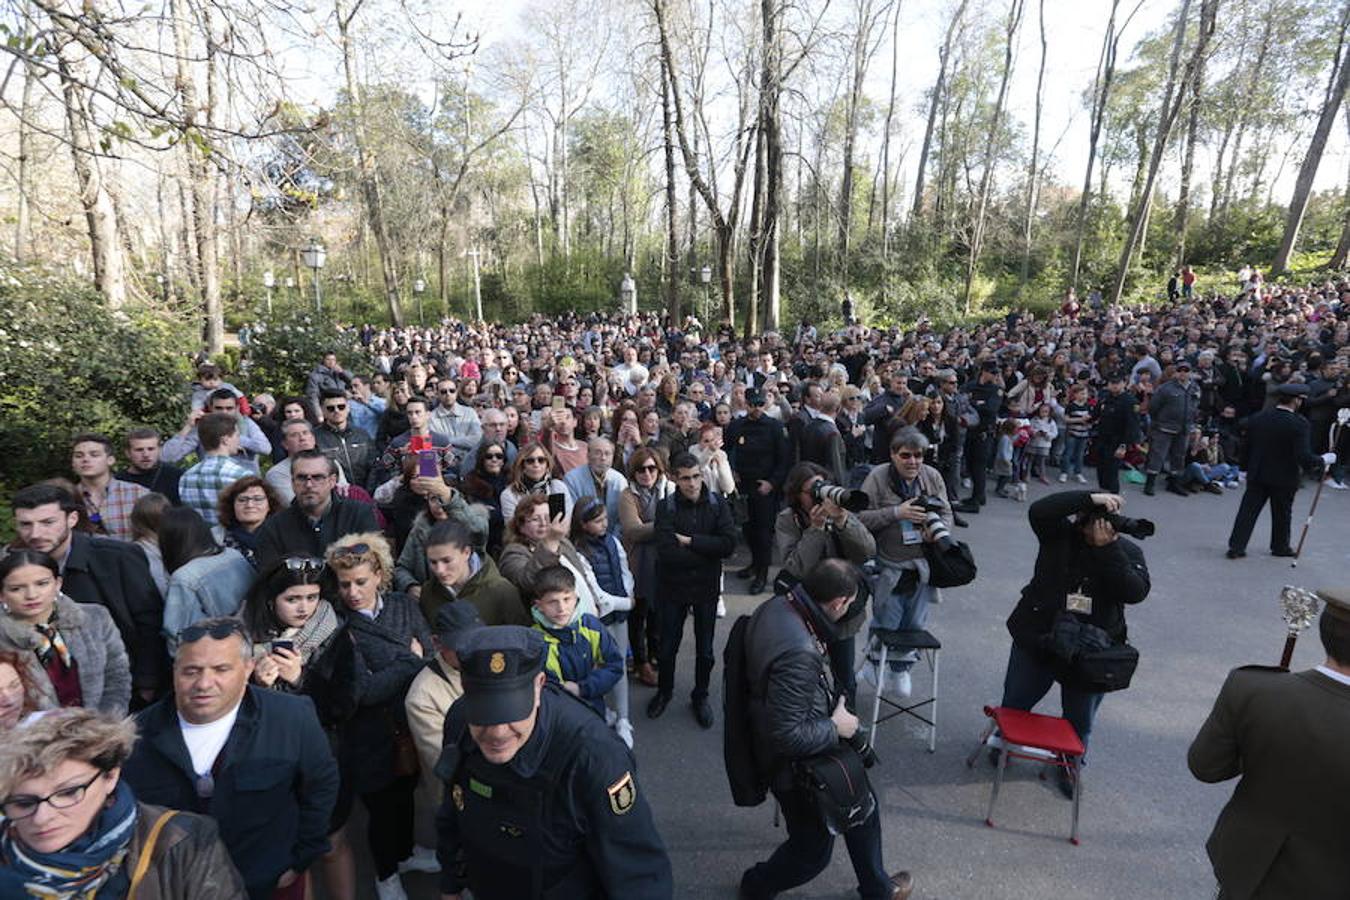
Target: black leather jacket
{"x":791,"y":689}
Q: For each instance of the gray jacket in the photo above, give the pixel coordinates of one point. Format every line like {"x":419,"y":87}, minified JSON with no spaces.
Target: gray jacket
{"x":801,"y":548}
{"x":96,"y":647}
{"x":1173,"y":407}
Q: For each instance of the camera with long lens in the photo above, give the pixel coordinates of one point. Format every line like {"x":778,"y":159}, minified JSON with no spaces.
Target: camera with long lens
{"x":929,"y":504}
{"x":851,"y":500}
{"x":1135,"y":528}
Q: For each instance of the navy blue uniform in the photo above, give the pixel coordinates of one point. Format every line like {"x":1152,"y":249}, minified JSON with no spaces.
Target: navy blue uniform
{"x":563,"y":820}
{"x":1278,"y":449}
{"x":758,"y":450}
{"x":1117,"y":426}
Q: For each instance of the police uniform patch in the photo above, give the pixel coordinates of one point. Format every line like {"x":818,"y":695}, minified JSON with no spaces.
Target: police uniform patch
{"x":622,"y":794}
{"x":497,"y":664}
{"x":457,"y":795}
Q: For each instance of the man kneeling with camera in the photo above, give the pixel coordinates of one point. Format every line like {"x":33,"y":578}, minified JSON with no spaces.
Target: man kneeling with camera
{"x":1069,"y":625}
{"x":805,"y":739}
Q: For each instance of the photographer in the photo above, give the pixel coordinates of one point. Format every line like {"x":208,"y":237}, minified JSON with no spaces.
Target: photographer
{"x":1085,"y":575}
{"x":799,"y":717}
{"x":812,"y":529}
{"x":902,"y":493}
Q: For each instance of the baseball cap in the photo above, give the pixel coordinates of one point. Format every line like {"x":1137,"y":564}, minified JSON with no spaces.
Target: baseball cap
{"x":454,"y":621}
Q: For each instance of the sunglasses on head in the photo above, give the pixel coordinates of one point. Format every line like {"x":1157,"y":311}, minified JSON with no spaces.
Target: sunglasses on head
{"x":217,"y":630}
{"x":306,"y":564}
{"x":352,"y":550}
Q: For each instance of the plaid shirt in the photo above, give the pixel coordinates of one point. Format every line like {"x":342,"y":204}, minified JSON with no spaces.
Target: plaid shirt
{"x":113,"y":517}
{"x":201,"y":484}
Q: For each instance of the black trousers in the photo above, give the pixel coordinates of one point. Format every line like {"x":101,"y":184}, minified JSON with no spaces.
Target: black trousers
{"x":1281,"y":515}
{"x":807,"y":851}
{"x":842,"y":653}
{"x":390,"y":829}
{"x":758,"y":528}
{"x":644,"y":632}
{"x":1108,"y":468}
{"x":977,"y":461}
{"x":673,"y":613}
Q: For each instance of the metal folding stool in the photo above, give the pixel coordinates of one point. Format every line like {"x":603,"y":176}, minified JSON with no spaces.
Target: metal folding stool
{"x":1048,"y":740}
{"x":928,"y":648}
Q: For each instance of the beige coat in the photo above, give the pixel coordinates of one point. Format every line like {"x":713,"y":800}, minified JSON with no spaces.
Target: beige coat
{"x":428,"y":699}
{"x":880,"y":519}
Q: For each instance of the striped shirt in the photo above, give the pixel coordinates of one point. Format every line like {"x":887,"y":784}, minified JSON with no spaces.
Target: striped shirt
{"x":113,"y":516}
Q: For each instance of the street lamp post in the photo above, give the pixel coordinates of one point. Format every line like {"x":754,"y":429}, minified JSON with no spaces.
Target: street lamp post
{"x":418,"y":287}
{"x":628,"y":294}
{"x":314,"y":256}
{"x":705,"y":276}
{"x":269,"y":282}
{"x":163,"y":287}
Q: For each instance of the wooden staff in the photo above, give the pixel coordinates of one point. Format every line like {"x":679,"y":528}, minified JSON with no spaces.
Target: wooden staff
{"x":1293,"y":564}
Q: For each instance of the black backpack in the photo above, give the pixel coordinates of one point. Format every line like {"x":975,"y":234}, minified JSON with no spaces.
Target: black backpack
{"x":749,"y":787}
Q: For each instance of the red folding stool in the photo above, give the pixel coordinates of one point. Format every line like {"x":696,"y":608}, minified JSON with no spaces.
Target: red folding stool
{"x":1022,"y":732}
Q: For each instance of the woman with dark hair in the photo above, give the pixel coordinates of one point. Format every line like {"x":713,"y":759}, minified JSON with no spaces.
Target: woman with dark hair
{"x":667,"y":395}
{"x":288,"y":409}
{"x":206,"y":580}
{"x":20,"y":694}
{"x":145,"y":516}
{"x":73,"y":651}
{"x":242,"y":508}
{"x":647,"y":486}
{"x":388,"y":640}
{"x":97,"y":841}
{"x":484,"y":485}
{"x":395,"y":419}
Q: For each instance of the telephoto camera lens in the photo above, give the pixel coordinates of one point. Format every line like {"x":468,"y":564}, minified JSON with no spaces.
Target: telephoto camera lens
{"x":853,"y":501}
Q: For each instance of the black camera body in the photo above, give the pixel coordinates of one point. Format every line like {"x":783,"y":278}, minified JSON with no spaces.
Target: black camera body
{"x":853,"y":501}
{"x":1135,"y":528}
{"x":929,"y":503}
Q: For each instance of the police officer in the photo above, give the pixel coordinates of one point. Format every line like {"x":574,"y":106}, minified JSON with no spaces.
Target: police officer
{"x":1278,"y":449}
{"x":1117,"y":428}
{"x":986,"y":398}
{"x":541,"y":799}
{"x":759,"y":455}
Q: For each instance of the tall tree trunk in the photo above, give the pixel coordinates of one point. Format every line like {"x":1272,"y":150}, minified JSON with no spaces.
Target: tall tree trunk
{"x":770,"y":90}
{"x":1033,"y":167}
{"x":1338,"y":258}
{"x":1101,"y":92}
{"x":1331,"y":105}
{"x":672,"y":280}
{"x":22,"y":219}
{"x":105,"y":244}
{"x":201,"y":177}
{"x":1173,"y":98}
{"x":1014,"y":22}
{"x":369,"y":174}
{"x":1181,"y":221}
{"x":862,"y":50}
{"x":939,"y":88}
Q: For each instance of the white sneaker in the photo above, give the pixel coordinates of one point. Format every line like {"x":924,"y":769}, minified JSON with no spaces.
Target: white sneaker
{"x":1063,"y":477}
{"x":898,"y":684}
{"x":965,"y":483}
{"x":624,"y":729}
{"x":423,"y":859}
{"x":721,"y":608}
{"x":1339,"y":486}
{"x":390,"y":889}
{"x":1079,"y":478}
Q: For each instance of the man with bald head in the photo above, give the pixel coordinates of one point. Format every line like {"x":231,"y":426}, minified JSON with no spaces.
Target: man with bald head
{"x":598,"y":478}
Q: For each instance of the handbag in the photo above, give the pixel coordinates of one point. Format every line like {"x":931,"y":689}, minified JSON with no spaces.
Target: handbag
{"x":950,"y":563}
{"x":836,"y":782}
{"x":1106,"y":670}
{"x":148,"y":852}
{"x":404,"y":749}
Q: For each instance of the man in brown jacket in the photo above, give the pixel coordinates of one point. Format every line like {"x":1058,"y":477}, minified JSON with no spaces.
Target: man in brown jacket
{"x":1282,"y":834}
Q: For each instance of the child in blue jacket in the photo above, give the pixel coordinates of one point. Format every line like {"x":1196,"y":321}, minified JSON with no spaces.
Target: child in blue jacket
{"x":582,"y":657}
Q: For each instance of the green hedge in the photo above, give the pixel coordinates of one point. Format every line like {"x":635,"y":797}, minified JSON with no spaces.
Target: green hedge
{"x":284,"y":349}
{"x":69,"y":364}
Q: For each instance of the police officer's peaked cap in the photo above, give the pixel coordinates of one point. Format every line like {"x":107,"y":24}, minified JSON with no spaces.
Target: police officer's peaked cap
{"x":1337,"y":601}
{"x":454,"y":621}
{"x":1292,"y":390}
{"x":498,"y":665}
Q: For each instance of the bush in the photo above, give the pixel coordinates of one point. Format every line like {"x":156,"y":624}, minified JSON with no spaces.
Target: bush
{"x":284,"y":349}
{"x":69,"y":364}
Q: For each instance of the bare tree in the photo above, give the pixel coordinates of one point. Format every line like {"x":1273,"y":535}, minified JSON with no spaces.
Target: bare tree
{"x":1033,"y":166}
{"x":868,"y":16}
{"x":672,"y":280}
{"x":935,"y":102}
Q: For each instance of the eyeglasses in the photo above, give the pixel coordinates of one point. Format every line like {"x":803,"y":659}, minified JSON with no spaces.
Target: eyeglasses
{"x":22,"y":806}
{"x":306,"y":564}
{"x":336,"y":407}
{"x":494,"y":456}
{"x":536,"y":459}
{"x":308,"y":479}
{"x":648,"y":468}
{"x":251,"y":499}
{"x":445,"y":391}
{"x":217,"y":630}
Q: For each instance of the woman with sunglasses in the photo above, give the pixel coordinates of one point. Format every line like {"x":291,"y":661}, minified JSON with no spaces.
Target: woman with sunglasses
{"x":647,"y":486}
{"x":534,"y":541}
{"x":484,"y":486}
{"x":388,"y":641}
{"x":73,"y":651}
{"x":242,"y":508}
{"x":73,"y":828}
{"x":206,"y":580}
{"x":532,"y":473}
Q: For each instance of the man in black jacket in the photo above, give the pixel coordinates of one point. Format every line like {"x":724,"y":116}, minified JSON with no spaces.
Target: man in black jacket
{"x":796,"y":712}
{"x":1117,"y":428}
{"x":339,"y":440}
{"x":316,"y":517}
{"x":694,"y":533}
{"x":1278,"y":450}
{"x":986,"y":399}
{"x":757,"y":448}
{"x":256,"y":761}
{"x":1083,"y":569}
{"x":113,"y":574}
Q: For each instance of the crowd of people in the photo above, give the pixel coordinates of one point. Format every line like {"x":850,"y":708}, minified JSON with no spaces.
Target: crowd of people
{"x":292,"y":592}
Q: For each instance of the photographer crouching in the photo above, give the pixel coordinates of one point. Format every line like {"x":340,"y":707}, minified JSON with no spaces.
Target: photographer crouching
{"x":804,"y":738}
{"x":815,"y":527}
{"x":1069,"y":625}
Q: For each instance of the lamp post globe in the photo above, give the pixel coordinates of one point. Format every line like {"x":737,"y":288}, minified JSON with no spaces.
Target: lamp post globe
{"x":314,"y":256}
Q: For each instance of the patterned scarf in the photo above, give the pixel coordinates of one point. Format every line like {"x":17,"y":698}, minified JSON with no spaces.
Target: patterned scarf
{"x":308,"y":637}
{"x":89,"y":869}
{"x":50,"y":641}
